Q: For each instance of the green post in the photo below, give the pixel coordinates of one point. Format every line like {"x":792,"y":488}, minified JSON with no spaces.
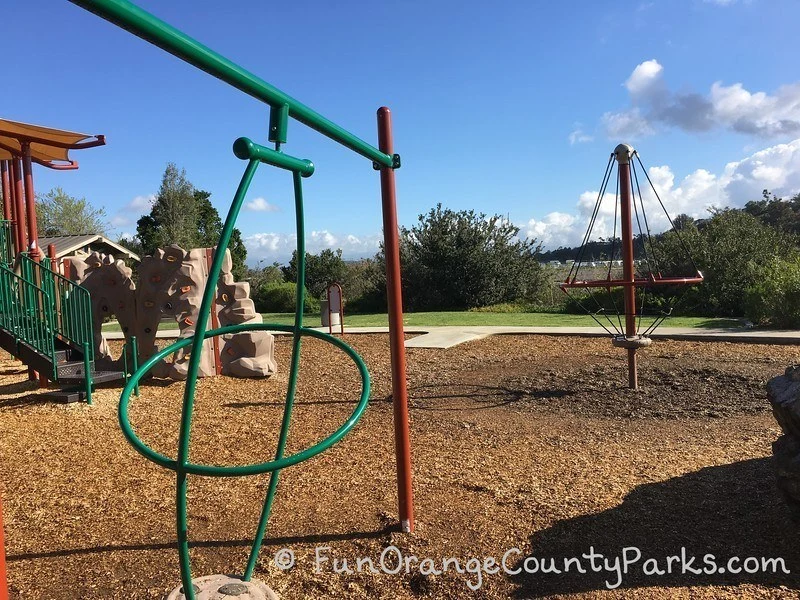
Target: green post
{"x":87,"y":373}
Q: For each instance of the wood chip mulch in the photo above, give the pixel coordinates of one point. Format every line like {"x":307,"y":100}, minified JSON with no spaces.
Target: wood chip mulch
{"x":526,"y":442}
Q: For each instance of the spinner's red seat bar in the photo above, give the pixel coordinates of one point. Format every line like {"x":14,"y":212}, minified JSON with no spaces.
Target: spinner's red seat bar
{"x":638,"y":282}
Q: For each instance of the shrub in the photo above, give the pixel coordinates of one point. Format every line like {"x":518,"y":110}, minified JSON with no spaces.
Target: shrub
{"x":461,"y":260}
{"x":281,"y":297}
{"x":774,"y":300}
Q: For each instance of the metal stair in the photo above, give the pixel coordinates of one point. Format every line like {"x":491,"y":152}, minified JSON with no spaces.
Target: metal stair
{"x":46,"y":322}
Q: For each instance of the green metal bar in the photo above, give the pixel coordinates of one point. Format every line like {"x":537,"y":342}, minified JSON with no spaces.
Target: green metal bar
{"x":192,"y":373}
{"x":148,"y":27}
{"x":87,"y":373}
{"x":247,"y":149}
{"x":240,"y":470}
{"x":294,"y":370}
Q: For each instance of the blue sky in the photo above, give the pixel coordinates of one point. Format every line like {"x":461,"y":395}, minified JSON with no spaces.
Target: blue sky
{"x":508,"y":107}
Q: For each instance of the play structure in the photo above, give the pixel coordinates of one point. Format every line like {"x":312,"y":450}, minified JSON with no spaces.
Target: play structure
{"x":636,"y":275}
{"x":43,"y":318}
{"x":44,"y":309}
{"x":46,"y":318}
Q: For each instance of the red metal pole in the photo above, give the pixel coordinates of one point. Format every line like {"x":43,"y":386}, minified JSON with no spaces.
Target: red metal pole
{"x":6,"y":190}
{"x":3,"y":577}
{"x":330,"y":311}
{"x":19,"y":205}
{"x":30,"y":203}
{"x":13,"y":201}
{"x":391,"y":240}
{"x":623,"y":154}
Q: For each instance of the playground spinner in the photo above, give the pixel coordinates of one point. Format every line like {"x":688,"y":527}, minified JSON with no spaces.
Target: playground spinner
{"x":282,"y":107}
{"x":647,"y":274}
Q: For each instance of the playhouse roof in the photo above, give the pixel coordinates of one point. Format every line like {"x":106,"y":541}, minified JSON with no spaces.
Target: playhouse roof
{"x":49,"y":147}
{"x":71,"y":244}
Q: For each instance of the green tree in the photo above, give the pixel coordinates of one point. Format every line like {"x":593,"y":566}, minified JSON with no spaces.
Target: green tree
{"x":730,"y":249}
{"x":174,"y":211}
{"x":774,"y":298}
{"x":321,"y":269}
{"x":209,"y":228}
{"x":147,"y":234}
{"x":184,"y":215}
{"x":58,"y":213}
{"x":264,"y":275}
{"x":209,"y":224}
{"x":461,"y":260}
{"x":783,"y":215}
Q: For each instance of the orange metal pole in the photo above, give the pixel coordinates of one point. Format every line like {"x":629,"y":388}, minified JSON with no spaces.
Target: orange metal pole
{"x":391,"y":239}
{"x":214,"y":317}
{"x":19,"y":202}
{"x":30,"y":203}
{"x":623,"y":154}
{"x":3,"y":576}
{"x":19,"y":205}
{"x":6,"y":190}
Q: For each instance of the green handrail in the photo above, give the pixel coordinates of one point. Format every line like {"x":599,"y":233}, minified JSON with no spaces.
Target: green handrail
{"x":7,"y":252}
{"x":71,"y":303}
{"x":152,"y":29}
{"x":26,"y":314}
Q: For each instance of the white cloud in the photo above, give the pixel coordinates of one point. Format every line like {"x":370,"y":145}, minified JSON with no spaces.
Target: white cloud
{"x":554,"y":230}
{"x":130,"y":213}
{"x":260,"y":205}
{"x":730,"y":107}
{"x":140,"y":203}
{"x":626,"y":125}
{"x":323,"y":238}
{"x":644,"y":78}
{"x":578,"y":136}
{"x":120,"y":220}
{"x":776,"y":168}
{"x":279,"y":246}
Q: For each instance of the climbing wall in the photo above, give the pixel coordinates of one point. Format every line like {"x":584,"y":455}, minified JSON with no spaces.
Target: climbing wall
{"x":249,"y":354}
{"x":170,"y":286}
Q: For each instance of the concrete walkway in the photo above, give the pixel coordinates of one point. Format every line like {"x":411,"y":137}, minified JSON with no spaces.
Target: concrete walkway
{"x":447,"y":337}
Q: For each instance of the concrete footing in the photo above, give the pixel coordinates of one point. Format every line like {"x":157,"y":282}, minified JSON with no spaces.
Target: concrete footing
{"x":226,"y":587}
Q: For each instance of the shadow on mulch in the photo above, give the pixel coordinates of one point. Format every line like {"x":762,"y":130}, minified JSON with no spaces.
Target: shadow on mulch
{"x":436,"y":396}
{"x":23,"y":401}
{"x":18,"y":387}
{"x":14,"y":371}
{"x":727,"y":511}
{"x":296,"y":403}
{"x":277,"y":541}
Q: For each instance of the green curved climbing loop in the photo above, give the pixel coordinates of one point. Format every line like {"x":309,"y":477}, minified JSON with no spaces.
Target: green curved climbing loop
{"x":254,"y":154}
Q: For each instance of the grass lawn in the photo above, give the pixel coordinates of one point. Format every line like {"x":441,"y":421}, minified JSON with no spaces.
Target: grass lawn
{"x":472,"y":318}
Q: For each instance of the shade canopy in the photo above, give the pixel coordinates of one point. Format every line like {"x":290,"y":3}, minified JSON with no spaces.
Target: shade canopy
{"x":49,"y":147}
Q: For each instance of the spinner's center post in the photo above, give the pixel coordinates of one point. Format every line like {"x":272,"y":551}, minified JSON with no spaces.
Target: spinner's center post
{"x":623,"y":154}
